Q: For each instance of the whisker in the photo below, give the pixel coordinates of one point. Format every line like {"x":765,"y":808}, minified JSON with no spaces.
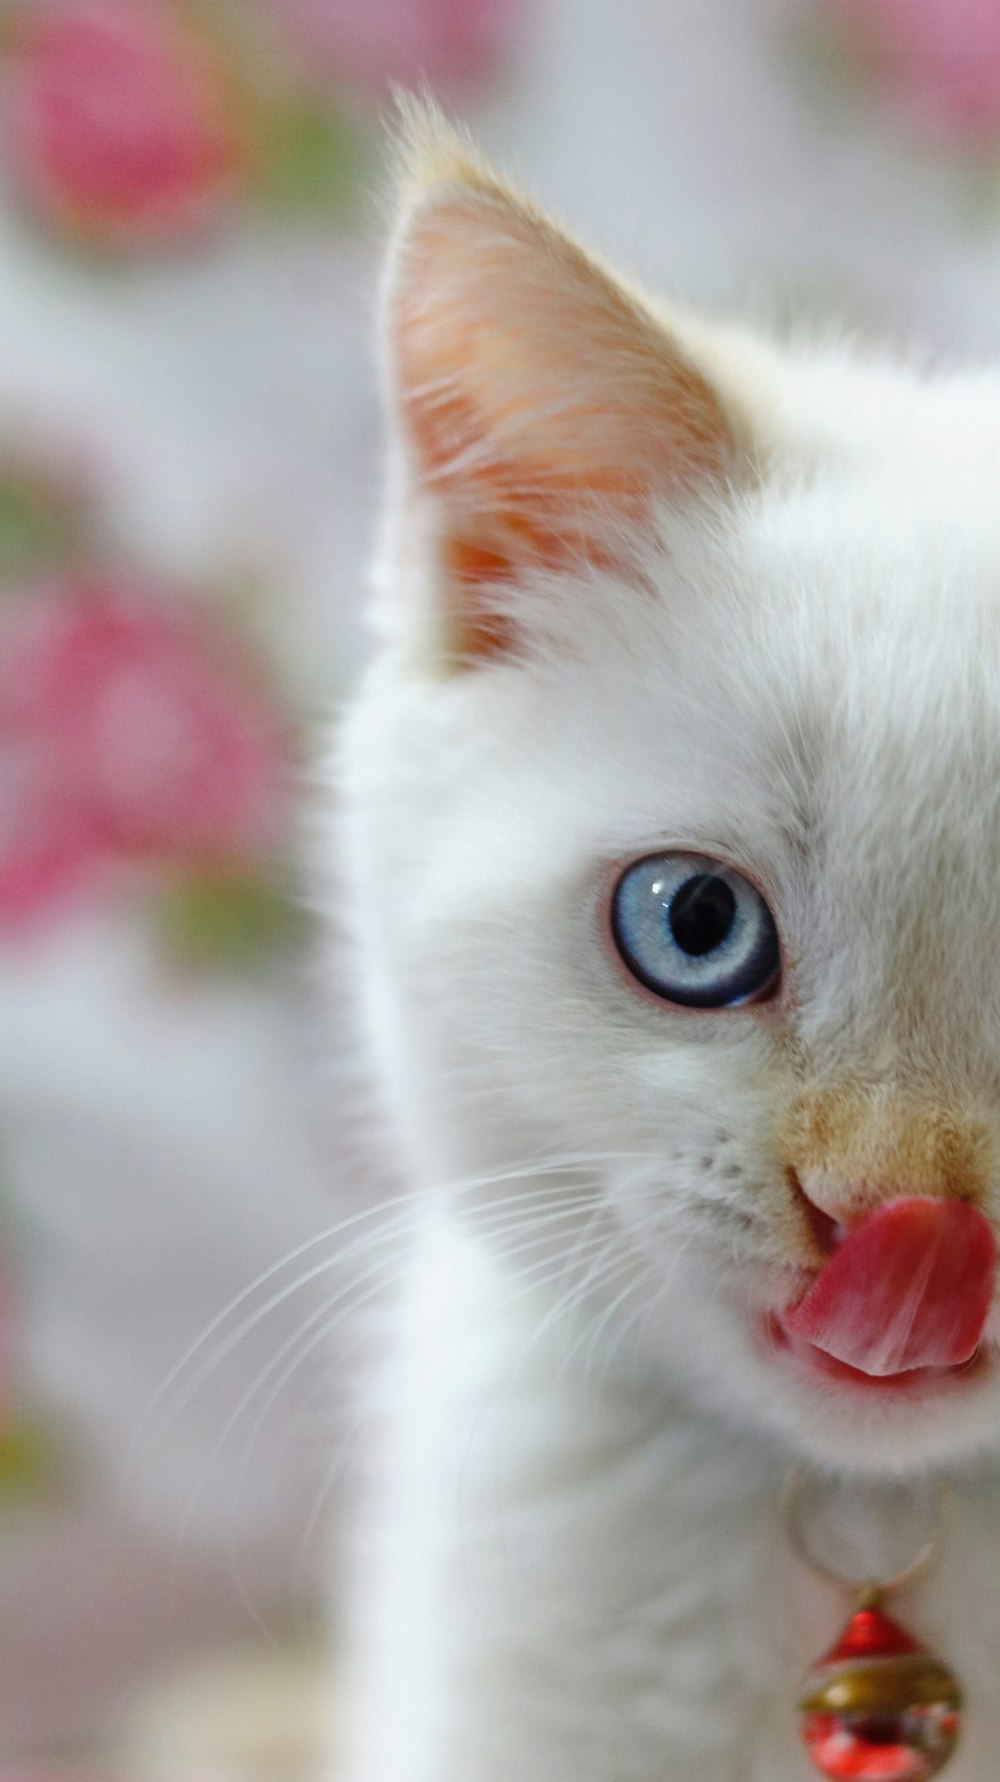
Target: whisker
{"x":233,"y":1305}
{"x":212,"y":1362}
{"x":528,"y":1283}
{"x":618,"y":1255}
{"x":412,"y":1200}
{"x":540,"y":1226}
{"x":577,"y":1288}
{"x":374,"y":1283}
{"x":645,"y":1306}
{"x":601,"y":1324}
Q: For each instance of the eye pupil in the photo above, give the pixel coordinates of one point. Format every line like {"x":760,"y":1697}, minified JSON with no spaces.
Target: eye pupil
{"x":701,"y":914}
{"x":695,"y":931}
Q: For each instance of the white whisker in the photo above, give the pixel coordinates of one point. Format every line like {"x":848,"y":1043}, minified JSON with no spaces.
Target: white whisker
{"x":411,"y":1202}
{"x":530,"y":1279}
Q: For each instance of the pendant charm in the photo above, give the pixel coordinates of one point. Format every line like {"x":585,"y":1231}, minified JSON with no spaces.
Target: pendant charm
{"x":879,"y":1707}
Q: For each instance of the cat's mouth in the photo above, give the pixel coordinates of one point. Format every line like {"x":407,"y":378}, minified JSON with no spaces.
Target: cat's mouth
{"x":902,"y":1302}
{"x":814,"y":1363}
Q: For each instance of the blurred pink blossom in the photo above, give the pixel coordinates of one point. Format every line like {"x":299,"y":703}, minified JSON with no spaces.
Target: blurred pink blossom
{"x":941,"y":58}
{"x":121,"y":123}
{"x":127,"y":729}
{"x":447,"y":42}
{"x":47,"y":849}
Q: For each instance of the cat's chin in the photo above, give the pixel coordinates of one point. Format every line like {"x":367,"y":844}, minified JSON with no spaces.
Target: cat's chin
{"x":882,"y":1424}
{"x":745,"y":1367}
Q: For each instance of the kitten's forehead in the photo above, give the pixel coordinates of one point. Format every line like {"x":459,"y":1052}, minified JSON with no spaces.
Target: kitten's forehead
{"x":839,"y":646}
{"x":870,"y":623}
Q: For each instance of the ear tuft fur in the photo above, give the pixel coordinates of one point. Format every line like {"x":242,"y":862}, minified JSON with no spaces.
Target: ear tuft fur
{"x":434,"y":155}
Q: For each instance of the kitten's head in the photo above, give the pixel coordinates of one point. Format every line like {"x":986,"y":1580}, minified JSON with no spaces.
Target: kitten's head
{"x":674,"y":797}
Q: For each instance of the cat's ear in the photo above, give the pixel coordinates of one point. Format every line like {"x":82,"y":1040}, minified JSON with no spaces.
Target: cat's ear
{"x":542,"y":408}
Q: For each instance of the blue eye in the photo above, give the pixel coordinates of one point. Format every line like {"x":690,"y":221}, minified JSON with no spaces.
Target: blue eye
{"x":695,"y":932}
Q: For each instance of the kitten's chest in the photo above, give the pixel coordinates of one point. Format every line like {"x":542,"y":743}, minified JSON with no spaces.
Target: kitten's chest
{"x":736,"y":1624}
{"x":615,"y":1577}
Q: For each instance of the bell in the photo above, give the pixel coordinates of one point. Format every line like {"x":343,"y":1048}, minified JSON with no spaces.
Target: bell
{"x":879,"y":1707}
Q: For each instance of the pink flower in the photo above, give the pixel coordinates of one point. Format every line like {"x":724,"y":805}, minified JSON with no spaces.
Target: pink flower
{"x":120,"y":122}
{"x":47,"y":848}
{"x":941,"y":58}
{"x":126,"y":730}
{"x":447,"y":42}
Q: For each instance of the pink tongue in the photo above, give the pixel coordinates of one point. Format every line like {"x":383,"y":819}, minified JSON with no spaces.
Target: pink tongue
{"x":911,"y":1286}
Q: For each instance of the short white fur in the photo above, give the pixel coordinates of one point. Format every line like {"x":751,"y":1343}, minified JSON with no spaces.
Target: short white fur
{"x":787,"y":657}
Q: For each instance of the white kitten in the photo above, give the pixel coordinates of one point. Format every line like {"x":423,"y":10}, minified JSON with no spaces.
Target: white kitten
{"x":673,"y":833}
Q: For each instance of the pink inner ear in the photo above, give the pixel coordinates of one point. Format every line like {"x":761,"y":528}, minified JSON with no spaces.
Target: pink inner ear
{"x":544,"y":406}
{"x":504,"y":517}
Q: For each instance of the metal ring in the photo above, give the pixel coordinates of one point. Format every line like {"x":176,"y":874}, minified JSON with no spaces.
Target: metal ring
{"x":791,"y":1502}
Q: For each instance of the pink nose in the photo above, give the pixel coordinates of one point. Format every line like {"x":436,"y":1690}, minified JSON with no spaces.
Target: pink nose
{"x":910,"y":1286}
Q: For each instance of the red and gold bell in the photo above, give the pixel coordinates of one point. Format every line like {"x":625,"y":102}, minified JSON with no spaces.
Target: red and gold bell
{"x":879,"y":1707}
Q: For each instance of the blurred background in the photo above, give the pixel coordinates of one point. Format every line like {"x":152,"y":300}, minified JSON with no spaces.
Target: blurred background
{"x":189,"y":456}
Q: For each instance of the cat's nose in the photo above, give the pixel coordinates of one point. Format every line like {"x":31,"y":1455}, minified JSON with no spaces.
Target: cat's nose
{"x":909,"y":1285}
{"x":852,"y":1148}
{"x":828,"y":1228}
